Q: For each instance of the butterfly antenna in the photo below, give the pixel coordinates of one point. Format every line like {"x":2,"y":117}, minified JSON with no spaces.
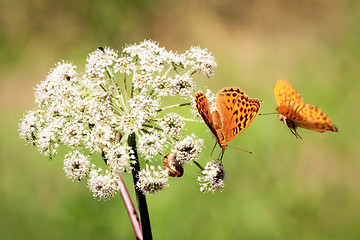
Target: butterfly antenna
{"x":292,"y":127}
{"x":241,"y":149}
{"x":268,"y":113}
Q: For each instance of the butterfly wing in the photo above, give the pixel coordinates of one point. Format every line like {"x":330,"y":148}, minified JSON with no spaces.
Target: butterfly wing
{"x":289,"y":101}
{"x":203,"y":107}
{"x":284,"y":93}
{"x":237,"y":111}
{"x":314,"y":119}
{"x":292,"y":107}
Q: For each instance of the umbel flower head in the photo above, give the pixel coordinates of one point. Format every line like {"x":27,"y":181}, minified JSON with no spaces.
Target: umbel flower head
{"x":212,"y":177}
{"x":119,"y":95}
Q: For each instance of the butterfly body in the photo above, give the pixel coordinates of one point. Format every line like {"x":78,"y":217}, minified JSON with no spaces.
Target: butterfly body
{"x":294,"y":112}
{"x":233,"y":114}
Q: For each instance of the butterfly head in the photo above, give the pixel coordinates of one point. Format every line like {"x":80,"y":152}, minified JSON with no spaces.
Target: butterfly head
{"x":223,"y":144}
{"x":290,"y":124}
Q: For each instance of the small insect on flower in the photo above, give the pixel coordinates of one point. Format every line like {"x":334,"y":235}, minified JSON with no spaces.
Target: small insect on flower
{"x":212,"y":177}
{"x":173,"y":167}
{"x":57,"y":88}
{"x":98,"y":60}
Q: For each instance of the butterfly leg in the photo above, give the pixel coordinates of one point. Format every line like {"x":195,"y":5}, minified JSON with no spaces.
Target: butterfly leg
{"x":292,"y":127}
{"x":296,"y":134}
{"x":222,"y":154}
{"x":213,"y":150}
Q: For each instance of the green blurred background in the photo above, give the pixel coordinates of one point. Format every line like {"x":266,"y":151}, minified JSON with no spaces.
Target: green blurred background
{"x":288,"y":189}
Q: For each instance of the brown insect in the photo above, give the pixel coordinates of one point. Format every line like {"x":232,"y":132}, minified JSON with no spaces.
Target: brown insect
{"x":173,"y":167}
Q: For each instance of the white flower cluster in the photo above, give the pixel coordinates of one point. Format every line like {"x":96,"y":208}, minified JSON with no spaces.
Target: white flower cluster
{"x":102,"y":185}
{"x":118,"y":95}
{"x":188,"y":149}
{"x":119,"y":158}
{"x":152,"y":180}
{"x":172,"y":124}
{"x":151,"y":67}
{"x":201,"y":60}
{"x":212,"y":177}
{"x":97,"y":62}
{"x":151,"y":144}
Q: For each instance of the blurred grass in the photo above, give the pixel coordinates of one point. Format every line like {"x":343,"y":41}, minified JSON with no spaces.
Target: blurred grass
{"x":288,"y":189}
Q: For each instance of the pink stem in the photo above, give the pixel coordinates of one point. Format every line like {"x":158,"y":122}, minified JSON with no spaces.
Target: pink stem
{"x":135,"y":222}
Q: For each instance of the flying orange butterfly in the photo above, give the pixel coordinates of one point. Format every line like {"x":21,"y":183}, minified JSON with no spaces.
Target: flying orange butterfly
{"x":233,"y":114}
{"x":295,"y":113}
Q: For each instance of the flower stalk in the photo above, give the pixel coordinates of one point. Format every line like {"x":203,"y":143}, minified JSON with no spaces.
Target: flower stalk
{"x":135,"y":222}
{"x":140,"y":197}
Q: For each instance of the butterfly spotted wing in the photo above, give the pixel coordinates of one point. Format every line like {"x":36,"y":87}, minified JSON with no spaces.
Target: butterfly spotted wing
{"x":237,"y":111}
{"x":233,"y":114}
{"x":203,"y":106}
{"x":296,"y":113}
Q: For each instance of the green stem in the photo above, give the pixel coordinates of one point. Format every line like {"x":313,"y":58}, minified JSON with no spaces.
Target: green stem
{"x":172,"y":106}
{"x":141,"y":199}
{"x":198,"y":164}
{"x":123,"y":94}
{"x":191,"y":120}
{"x":112,"y":77}
{"x":126,"y":93}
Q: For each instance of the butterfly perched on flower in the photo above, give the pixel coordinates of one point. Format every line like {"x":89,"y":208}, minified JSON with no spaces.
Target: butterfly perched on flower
{"x":233,"y":114}
{"x":294,"y":112}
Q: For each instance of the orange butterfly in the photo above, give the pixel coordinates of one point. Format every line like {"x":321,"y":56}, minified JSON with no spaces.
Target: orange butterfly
{"x":295,"y":113}
{"x":233,"y":114}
